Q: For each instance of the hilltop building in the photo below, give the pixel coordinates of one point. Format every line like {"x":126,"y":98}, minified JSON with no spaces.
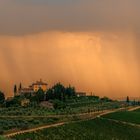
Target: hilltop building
{"x":33,"y":88}
{"x":39,"y":84}
{"x":79,"y":94}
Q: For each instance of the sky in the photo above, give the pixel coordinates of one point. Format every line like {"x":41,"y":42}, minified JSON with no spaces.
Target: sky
{"x":92,"y":45}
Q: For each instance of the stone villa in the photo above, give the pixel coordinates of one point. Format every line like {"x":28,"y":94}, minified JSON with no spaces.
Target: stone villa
{"x":33,"y":88}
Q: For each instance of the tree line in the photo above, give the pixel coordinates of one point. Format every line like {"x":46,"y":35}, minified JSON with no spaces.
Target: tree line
{"x":56,"y":92}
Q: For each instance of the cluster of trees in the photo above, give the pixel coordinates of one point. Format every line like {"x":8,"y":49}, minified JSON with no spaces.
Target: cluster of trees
{"x":106,"y":99}
{"x":134,"y":102}
{"x":2,"y":98}
{"x":60,"y":92}
{"x":14,"y":102}
{"x":16,"y":90}
{"x":57,"y":92}
{"x":34,"y":98}
{"x":38,"y":96}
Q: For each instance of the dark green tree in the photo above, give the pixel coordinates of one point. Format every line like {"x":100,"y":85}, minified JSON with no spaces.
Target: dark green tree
{"x":59,"y":91}
{"x":15,"y":102}
{"x":15,"y":90}
{"x":134,"y":102}
{"x":20,"y":86}
{"x":127,"y":99}
{"x":40,"y":96}
{"x":96,"y":97}
{"x":50,"y":94}
{"x":2,"y":97}
{"x":70,"y":92}
{"x":106,"y":99}
{"x":57,"y":104}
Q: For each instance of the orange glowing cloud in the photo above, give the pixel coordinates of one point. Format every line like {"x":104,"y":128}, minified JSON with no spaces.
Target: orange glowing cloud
{"x":99,"y":62}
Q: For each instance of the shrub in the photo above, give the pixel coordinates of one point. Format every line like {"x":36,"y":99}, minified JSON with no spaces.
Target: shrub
{"x":1,"y":132}
{"x":57,"y":104}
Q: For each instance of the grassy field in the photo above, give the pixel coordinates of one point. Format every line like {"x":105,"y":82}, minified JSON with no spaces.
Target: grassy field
{"x":74,"y":107}
{"x":13,"y":119}
{"x":126,"y":116}
{"x":14,"y":124}
{"x":138,"y":110}
{"x":2,"y":138}
{"x":25,"y":111}
{"x":97,"y":129}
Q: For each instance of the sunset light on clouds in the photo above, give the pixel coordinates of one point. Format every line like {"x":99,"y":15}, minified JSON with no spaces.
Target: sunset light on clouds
{"x":94,"y":47}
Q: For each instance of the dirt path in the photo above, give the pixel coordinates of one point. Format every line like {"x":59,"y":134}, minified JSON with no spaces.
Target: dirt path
{"x":109,"y":111}
{"x":95,"y":115}
{"x":134,"y":108}
{"x":34,"y":129}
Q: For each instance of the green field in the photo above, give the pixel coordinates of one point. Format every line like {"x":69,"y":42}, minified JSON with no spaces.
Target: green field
{"x":126,"y":116}
{"x":97,"y":129}
{"x":14,"y":124}
{"x":2,"y":138}
{"x":138,"y":110}
{"x":14,"y":119}
{"x":19,"y":118}
{"x":26,"y":111}
{"x":74,"y":107}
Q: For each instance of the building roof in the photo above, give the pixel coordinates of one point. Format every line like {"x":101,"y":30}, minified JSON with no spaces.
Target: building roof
{"x":26,"y":90}
{"x":81,"y":93}
{"x":39,"y":83}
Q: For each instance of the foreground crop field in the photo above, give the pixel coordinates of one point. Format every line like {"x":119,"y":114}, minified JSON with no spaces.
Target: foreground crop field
{"x":97,"y":129}
{"x":15,"y":124}
{"x":126,"y":116}
{"x":2,"y":138}
{"x":138,"y":110}
{"x":72,"y":108}
{"x":14,"y":119}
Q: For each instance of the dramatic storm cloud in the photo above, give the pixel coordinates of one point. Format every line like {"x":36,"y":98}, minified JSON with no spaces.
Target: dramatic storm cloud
{"x":92,"y":44}
{"x":29,"y":16}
